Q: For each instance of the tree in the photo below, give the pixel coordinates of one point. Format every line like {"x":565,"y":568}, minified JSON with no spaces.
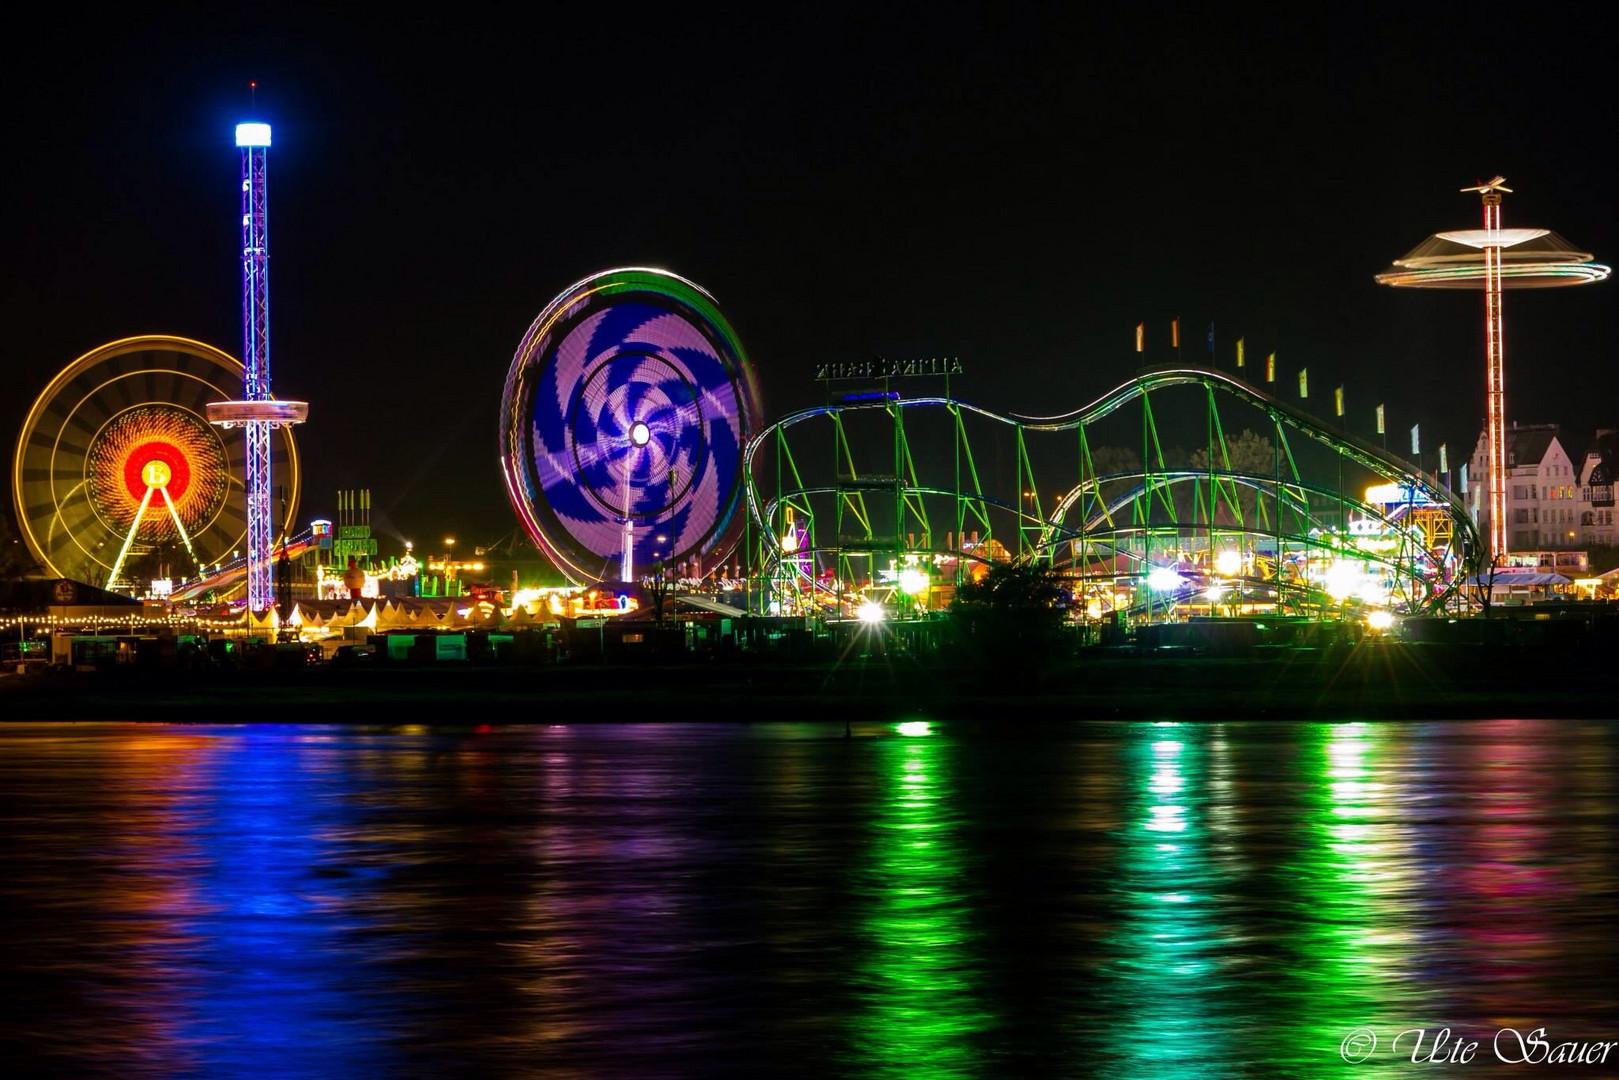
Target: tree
{"x":15,"y":561}
{"x":1485,"y":587}
{"x":1011,"y":622}
{"x":657,"y":584}
{"x":1115,"y":459}
{"x":1604,"y":557}
{"x":1251,"y":454}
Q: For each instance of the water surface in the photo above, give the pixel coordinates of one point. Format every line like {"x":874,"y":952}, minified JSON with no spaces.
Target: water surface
{"x":920,"y":900}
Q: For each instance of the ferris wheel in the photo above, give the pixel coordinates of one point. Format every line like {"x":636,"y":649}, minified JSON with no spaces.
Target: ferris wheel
{"x":117,"y":460}
{"x":626,"y":412}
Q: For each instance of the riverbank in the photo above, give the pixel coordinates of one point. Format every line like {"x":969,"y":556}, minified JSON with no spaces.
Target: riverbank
{"x":1366,"y":681}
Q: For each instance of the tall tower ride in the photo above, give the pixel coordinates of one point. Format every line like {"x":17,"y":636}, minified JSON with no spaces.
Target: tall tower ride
{"x":257,"y":412}
{"x":1493,"y":259}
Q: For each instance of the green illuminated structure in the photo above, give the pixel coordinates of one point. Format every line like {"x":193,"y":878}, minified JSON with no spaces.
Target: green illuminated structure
{"x":1183,"y":491}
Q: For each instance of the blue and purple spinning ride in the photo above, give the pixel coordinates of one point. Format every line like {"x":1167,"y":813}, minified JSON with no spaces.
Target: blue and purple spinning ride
{"x":626,"y":413}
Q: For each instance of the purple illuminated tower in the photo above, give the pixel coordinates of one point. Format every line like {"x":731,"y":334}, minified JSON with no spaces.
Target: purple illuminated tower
{"x":257,"y":412}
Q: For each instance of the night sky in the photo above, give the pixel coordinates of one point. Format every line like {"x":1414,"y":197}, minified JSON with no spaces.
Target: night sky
{"x":1016,"y":187}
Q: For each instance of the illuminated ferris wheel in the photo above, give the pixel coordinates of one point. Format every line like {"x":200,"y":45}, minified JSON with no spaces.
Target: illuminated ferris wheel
{"x":626,"y":412}
{"x":117,"y":460}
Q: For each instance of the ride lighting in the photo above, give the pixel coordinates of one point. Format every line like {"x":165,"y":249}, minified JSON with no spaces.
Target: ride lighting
{"x":1373,"y":591}
{"x":1380,"y":619}
{"x":1163,"y":579}
{"x":252,"y":134}
{"x":1396,"y":494}
{"x":1342,"y":579}
{"x":1228,"y":563}
{"x":870,"y":612}
{"x":913,"y":581}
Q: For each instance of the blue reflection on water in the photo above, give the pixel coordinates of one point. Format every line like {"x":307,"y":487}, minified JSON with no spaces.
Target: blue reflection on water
{"x":272,"y":928}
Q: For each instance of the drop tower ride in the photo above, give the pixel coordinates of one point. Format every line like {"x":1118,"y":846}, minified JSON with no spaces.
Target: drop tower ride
{"x":257,"y":413}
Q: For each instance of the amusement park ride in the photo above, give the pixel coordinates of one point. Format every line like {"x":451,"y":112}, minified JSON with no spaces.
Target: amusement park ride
{"x":1493,"y":259}
{"x":117,"y":459}
{"x":1148,"y":533}
{"x":258,"y":414}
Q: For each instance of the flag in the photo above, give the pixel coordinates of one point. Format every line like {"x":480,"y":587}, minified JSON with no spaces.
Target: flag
{"x":1464,"y":478}
{"x":1304,"y":382}
{"x":1381,"y":430}
{"x":1174,"y":333}
{"x":1416,"y":442}
{"x":1141,"y":337}
{"x":1211,"y":337}
{"x":1270,"y":368}
{"x":1338,"y":400}
{"x":1444,"y":465}
{"x":1239,"y":352}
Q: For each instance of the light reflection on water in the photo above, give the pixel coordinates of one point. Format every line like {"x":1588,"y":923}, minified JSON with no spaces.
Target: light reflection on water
{"x":928,"y":900}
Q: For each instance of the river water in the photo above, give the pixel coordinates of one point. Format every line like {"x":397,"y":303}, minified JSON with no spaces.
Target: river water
{"x":919,"y":900}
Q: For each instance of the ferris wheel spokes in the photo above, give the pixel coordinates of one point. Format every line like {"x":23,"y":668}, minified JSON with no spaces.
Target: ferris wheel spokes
{"x":156,"y":475}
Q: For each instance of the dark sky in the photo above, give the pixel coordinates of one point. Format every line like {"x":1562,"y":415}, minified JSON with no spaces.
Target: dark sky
{"x":1014,"y":186}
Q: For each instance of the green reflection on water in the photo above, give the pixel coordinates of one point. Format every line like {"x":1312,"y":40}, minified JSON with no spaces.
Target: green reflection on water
{"x":1167,"y":974}
{"x":920,"y":982}
{"x":1356,"y":946}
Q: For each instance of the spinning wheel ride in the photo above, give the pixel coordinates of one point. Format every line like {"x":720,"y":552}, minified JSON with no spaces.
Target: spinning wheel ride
{"x":626,"y":412}
{"x":117,"y":460}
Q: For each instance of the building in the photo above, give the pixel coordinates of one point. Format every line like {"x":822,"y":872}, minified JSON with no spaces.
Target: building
{"x":1597,"y":472}
{"x":1544,"y":489}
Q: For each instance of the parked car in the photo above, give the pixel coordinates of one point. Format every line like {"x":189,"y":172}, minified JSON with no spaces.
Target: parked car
{"x":354,"y":654}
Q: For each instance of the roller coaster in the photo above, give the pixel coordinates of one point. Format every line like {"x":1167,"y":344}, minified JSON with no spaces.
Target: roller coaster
{"x":228,"y":576}
{"x":876,"y":497}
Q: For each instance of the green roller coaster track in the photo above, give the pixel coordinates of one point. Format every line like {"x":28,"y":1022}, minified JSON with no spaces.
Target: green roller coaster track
{"x":1148,"y":533}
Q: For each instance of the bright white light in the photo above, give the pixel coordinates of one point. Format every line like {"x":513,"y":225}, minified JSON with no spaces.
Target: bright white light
{"x":870,"y":612}
{"x":252,"y":134}
{"x":912,"y":580}
{"x":1342,"y":579}
{"x":1478,"y":238}
{"x":913,"y":728}
{"x":1228,"y":563}
{"x":1213,"y":593}
{"x":1380,"y":620}
{"x":1163,"y":579}
{"x":1373,"y":591}
{"x":640,"y":434}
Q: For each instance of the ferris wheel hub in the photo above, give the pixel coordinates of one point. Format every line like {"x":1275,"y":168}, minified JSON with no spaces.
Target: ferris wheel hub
{"x":156,"y":473}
